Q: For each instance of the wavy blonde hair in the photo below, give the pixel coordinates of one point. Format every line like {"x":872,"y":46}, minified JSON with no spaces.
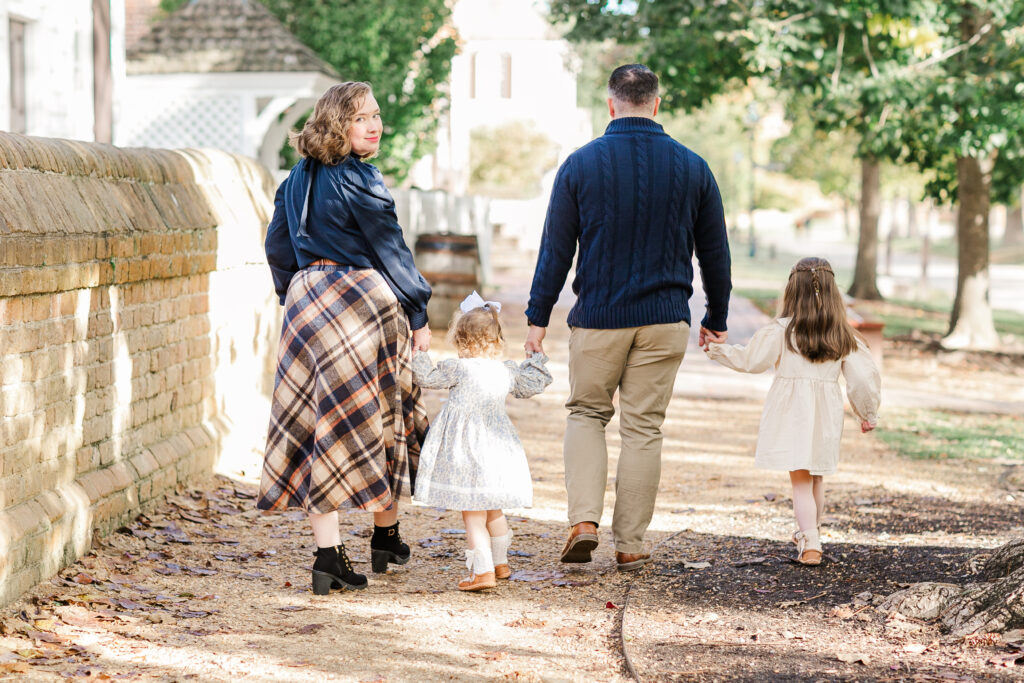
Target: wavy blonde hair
{"x":325,"y":135}
{"x":477,"y":334}
{"x":819,"y":330}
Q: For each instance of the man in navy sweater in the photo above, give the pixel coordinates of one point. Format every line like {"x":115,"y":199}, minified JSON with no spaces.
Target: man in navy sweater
{"x":638,"y":204}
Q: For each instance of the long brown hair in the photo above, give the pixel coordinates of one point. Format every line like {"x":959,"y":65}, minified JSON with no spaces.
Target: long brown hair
{"x":325,"y":135}
{"x":477,"y":334}
{"x":819,"y":330}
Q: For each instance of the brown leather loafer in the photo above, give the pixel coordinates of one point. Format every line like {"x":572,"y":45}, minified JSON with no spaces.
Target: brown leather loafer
{"x":478,"y":582}
{"x":582,"y":541}
{"x":628,"y":562}
{"x":502,"y":571}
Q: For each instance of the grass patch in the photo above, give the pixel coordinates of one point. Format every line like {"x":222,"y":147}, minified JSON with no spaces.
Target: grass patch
{"x":765,"y":300}
{"x":939,"y":434}
{"x":903,"y":317}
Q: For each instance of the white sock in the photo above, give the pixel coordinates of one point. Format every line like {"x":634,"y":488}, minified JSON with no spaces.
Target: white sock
{"x":499,"y":547}
{"x":479,"y":560}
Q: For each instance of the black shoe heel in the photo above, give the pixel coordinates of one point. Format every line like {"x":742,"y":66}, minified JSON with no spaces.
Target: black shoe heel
{"x":379,"y":560}
{"x":386,"y":546}
{"x":322,"y":583}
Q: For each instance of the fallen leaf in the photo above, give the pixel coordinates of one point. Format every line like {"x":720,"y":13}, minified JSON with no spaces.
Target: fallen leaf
{"x":47,"y":624}
{"x":841,"y":612}
{"x":696,"y":565}
{"x":492,"y":656}
{"x":15,"y":667}
{"x":567,"y":631}
{"x":770,"y":496}
{"x":309,"y":628}
{"x":83,"y":578}
{"x":610,"y":605}
{"x":854,"y":658}
{"x":915,"y":648}
{"x":525,"y":622}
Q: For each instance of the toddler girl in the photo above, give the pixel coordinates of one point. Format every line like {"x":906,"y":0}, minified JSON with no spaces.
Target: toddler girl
{"x":472,"y":459}
{"x":809,"y":345}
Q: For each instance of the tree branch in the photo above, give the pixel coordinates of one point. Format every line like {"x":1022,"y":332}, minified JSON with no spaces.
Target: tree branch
{"x":973,"y":40}
{"x":867,"y":53}
{"x":839,"y":57}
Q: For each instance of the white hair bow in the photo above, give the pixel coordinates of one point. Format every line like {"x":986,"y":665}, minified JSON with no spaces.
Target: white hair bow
{"x":474,"y":300}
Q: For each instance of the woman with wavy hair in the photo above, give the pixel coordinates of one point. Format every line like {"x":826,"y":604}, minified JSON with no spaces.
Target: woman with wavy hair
{"x":346,"y":420}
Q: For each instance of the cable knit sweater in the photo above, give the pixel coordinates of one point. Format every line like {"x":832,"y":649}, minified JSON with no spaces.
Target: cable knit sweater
{"x":639,"y":204}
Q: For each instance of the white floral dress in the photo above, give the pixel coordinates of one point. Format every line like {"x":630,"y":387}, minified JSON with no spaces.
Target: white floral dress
{"x":472,"y":458}
{"x":802,"y":421}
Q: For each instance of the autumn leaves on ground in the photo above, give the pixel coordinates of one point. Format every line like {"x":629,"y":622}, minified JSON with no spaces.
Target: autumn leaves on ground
{"x":205,"y":588}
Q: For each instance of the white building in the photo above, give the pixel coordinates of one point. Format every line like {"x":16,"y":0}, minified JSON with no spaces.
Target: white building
{"x":512,"y":66}
{"x":62,"y":66}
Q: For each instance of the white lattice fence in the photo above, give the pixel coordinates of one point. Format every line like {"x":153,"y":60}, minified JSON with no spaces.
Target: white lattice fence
{"x":192,"y":121}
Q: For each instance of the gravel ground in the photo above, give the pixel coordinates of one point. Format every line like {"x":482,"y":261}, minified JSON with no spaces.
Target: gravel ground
{"x":206,"y":588}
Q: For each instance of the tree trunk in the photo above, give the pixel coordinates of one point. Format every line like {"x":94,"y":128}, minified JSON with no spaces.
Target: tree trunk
{"x":846,"y":216}
{"x":970,"y":325}
{"x":993,"y":607}
{"x":864,"y":275}
{"x":1014,"y":233}
{"x":911,"y":218}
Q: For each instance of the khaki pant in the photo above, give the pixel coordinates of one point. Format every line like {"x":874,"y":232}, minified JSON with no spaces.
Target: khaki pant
{"x":641,"y":362}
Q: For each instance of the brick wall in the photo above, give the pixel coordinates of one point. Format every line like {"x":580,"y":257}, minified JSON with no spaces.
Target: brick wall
{"x":138,"y":18}
{"x":138,"y":329}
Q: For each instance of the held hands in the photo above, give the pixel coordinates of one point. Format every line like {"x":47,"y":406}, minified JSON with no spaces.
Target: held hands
{"x":866,"y":426}
{"x":421,"y":339}
{"x":534,"y":339}
{"x":707,"y":336}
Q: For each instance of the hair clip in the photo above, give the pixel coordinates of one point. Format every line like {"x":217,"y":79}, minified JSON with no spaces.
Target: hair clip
{"x":474,"y":300}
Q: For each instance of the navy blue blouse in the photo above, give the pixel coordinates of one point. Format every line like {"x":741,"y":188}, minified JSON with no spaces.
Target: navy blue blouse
{"x":351,"y":220}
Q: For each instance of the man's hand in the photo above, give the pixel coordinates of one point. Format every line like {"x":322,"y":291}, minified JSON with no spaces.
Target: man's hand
{"x":866,"y":426}
{"x":421,"y":339}
{"x":707,"y":335}
{"x":534,"y":339}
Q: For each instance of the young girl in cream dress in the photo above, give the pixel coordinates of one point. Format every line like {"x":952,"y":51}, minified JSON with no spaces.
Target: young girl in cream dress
{"x":809,"y":346}
{"x":472,"y":459}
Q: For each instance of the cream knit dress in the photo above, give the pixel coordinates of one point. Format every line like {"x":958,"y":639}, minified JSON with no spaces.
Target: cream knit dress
{"x":802,"y":420}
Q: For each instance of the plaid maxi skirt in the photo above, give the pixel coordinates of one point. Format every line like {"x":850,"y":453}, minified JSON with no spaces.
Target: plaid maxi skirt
{"x":346,"y":421}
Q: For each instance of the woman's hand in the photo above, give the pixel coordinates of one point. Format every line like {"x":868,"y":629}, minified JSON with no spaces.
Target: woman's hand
{"x":866,"y":426}
{"x":421,"y":339}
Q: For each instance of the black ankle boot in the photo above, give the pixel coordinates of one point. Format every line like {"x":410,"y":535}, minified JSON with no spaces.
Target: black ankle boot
{"x":332,"y":569}
{"x":386,"y":546}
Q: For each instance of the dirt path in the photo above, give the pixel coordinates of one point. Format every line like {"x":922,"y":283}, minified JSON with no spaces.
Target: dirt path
{"x":207,"y":589}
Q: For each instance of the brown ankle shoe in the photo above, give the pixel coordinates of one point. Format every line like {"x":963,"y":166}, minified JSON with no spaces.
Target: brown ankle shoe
{"x":628,"y":562}
{"x":808,"y":547}
{"x":502,"y":571}
{"x":478,"y":582}
{"x":582,"y":541}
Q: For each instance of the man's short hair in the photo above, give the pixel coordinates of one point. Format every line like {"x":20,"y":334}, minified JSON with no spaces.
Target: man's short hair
{"x":633,"y":83}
